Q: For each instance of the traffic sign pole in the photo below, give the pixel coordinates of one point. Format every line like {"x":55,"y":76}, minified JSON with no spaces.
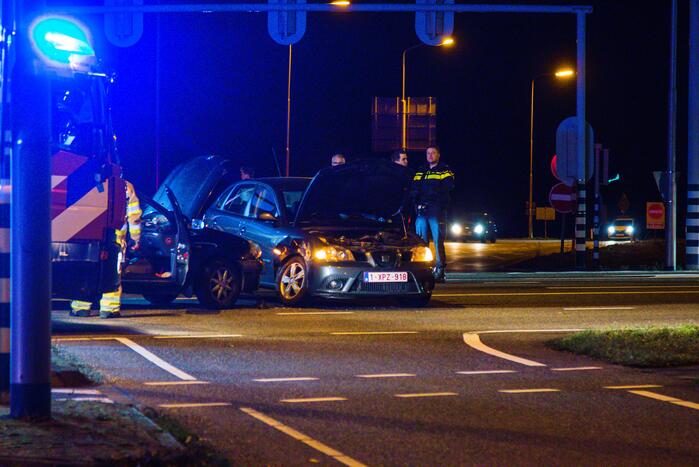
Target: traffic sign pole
{"x":595,"y":220}
{"x":692,"y":248}
{"x":671,"y":210}
{"x":580,"y":219}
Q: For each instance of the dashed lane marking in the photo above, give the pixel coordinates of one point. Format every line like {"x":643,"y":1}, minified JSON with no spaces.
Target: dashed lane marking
{"x":663,"y":398}
{"x":474,"y":341}
{"x":279,"y":380}
{"x":371,"y":333}
{"x":527,"y":391}
{"x":305,"y":439}
{"x":485,"y":372}
{"x":568,"y":287}
{"x":150,"y":356}
{"x":174,"y":383}
{"x":426,"y":394}
{"x":598,"y":308}
{"x":195,"y":405}
{"x":637,"y":386}
{"x":302,"y":313}
{"x":388,"y":375}
{"x":578,"y":368}
{"x":313,"y":399}
{"x":541,"y":294}
{"x":75,"y":391}
{"x":104,"y":400}
{"x":198,"y":336}
{"x":515,"y":331}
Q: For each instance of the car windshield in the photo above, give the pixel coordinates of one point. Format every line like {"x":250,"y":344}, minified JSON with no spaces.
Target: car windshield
{"x":623,"y":222}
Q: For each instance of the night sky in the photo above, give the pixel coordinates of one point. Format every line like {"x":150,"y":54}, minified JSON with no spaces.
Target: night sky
{"x":223,"y":91}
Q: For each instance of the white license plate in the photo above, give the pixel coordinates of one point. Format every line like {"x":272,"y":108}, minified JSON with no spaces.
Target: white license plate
{"x":385,"y":277}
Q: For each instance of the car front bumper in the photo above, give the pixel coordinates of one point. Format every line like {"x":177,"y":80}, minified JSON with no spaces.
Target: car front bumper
{"x":349,"y":281}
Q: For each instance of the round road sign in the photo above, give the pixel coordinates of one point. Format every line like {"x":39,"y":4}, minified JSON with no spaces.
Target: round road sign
{"x":562,"y":198}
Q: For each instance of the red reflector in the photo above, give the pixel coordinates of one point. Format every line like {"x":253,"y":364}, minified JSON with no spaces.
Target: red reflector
{"x":104,"y":255}
{"x":168,"y":241}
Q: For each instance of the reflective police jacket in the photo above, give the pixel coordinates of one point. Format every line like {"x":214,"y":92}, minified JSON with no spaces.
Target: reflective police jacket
{"x":431,"y":187}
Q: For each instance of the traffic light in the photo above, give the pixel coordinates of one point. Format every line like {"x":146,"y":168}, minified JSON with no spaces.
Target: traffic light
{"x":61,"y":42}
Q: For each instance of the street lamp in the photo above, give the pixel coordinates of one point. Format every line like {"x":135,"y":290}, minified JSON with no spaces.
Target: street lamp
{"x":447,"y":41}
{"x":561,"y":74}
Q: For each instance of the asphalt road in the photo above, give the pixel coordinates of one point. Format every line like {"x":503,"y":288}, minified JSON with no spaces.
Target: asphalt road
{"x":380,"y":385}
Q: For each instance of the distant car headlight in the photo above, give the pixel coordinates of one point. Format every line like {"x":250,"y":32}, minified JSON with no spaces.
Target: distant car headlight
{"x":479,"y":229}
{"x":255,"y":250}
{"x":456,"y":229}
{"x":629,"y":230}
{"x":332,"y":253}
{"x":422,"y":254}
{"x":610,"y":230}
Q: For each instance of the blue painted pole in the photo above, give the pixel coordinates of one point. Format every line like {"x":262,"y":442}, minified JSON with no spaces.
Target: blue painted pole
{"x":581,"y":216}
{"x":30,"y":367}
{"x":692,"y":248}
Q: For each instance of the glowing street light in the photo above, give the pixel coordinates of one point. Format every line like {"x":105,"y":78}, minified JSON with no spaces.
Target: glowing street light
{"x":447,"y":41}
{"x":561,"y":74}
{"x":341,"y":3}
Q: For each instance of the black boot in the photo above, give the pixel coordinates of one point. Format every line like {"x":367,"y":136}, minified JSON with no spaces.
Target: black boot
{"x":439,"y":274}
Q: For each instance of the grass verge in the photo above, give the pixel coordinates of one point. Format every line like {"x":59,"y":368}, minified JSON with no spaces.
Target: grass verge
{"x":641,"y":347}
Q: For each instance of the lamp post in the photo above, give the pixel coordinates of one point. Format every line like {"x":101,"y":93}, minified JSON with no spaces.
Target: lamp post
{"x":447,"y":41}
{"x":567,"y":73}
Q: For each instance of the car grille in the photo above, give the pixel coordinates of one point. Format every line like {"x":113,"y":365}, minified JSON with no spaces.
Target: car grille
{"x":385,"y":287}
{"x":385,"y":259}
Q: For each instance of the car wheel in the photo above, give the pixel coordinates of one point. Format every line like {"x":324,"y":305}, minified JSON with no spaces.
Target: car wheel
{"x":292,"y":281}
{"x":415,"y":302}
{"x":160,"y":299}
{"x":217,"y":285}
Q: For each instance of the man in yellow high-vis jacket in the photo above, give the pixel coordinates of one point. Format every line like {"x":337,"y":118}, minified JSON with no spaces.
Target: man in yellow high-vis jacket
{"x":110,"y":303}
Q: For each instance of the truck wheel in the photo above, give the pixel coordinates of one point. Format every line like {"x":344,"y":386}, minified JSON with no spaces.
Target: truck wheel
{"x":217,"y":286}
{"x":292,"y":282}
{"x":158,"y":299}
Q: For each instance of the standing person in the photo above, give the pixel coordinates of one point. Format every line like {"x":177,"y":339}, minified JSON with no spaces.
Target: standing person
{"x":431,"y":187}
{"x":400,"y":157}
{"x":246,"y":172}
{"x":110,"y":303}
{"x":337,"y":159}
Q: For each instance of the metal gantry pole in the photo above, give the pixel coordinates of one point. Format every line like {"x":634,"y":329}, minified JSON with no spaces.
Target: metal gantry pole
{"x":30,"y":382}
{"x":671,"y":202}
{"x":692,"y":247}
{"x":581,"y":216}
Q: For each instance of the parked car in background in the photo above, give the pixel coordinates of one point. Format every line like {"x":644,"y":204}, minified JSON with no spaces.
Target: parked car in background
{"x":178,"y":256}
{"x":479,"y":226}
{"x":622,"y":229}
{"x":340,"y":235}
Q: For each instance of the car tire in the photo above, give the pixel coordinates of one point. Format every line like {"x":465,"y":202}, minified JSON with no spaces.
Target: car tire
{"x":160,"y":299}
{"x":217,"y":285}
{"x":292,"y":282}
{"x":415,"y":302}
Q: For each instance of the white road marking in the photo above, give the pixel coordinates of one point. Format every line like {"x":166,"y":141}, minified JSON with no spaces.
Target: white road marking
{"x":76,"y":339}
{"x":276,"y":380}
{"x":155,"y":359}
{"x":426,"y":394}
{"x":526,"y":391}
{"x":195,"y":405}
{"x":540,"y":294}
{"x":313,"y":399}
{"x":638,"y":386}
{"x":198,"y":336}
{"x":174,"y":383}
{"x":485,"y":372}
{"x":567,"y":287}
{"x":671,"y":400}
{"x":593,"y":308}
{"x":387,"y":375}
{"x":75,"y":391}
{"x":302,"y":313}
{"x":305,"y":439}
{"x":371,"y":333}
{"x":515,"y":331}
{"x":474,"y":341}
{"x":104,"y":400}
{"x":506,"y":282}
{"x":578,"y":368}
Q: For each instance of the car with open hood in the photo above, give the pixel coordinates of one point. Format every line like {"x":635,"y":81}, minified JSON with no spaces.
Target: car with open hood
{"x":177,"y":255}
{"x":339,"y":235}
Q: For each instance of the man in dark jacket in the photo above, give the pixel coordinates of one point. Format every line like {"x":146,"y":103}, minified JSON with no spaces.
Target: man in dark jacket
{"x":431,"y":187}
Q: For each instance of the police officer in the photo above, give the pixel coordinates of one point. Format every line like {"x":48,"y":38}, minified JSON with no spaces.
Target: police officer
{"x":431,"y":187}
{"x":110,"y":303}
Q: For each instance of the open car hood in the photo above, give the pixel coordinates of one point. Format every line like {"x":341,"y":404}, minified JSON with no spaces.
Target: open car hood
{"x":362,"y":192}
{"x":193,"y":183}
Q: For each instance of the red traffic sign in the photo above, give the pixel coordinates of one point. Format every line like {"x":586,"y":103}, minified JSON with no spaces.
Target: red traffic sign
{"x":655,"y":215}
{"x":562,"y":198}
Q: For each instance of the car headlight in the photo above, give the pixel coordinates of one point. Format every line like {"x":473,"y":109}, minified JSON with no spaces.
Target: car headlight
{"x":255,"y":250}
{"x":422,"y":254}
{"x":629,"y":230}
{"x":479,"y":229}
{"x":332,"y":253}
{"x":456,"y":229}
{"x":610,"y":230}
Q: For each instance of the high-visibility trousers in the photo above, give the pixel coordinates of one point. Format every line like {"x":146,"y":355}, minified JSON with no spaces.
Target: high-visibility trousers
{"x":109,"y":303}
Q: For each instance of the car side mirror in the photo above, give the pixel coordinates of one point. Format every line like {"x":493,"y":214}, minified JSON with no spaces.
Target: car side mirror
{"x":197,"y":224}
{"x":267,"y":216}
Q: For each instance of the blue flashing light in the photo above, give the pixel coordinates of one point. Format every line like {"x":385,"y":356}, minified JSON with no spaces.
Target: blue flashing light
{"x":61,"y":41}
